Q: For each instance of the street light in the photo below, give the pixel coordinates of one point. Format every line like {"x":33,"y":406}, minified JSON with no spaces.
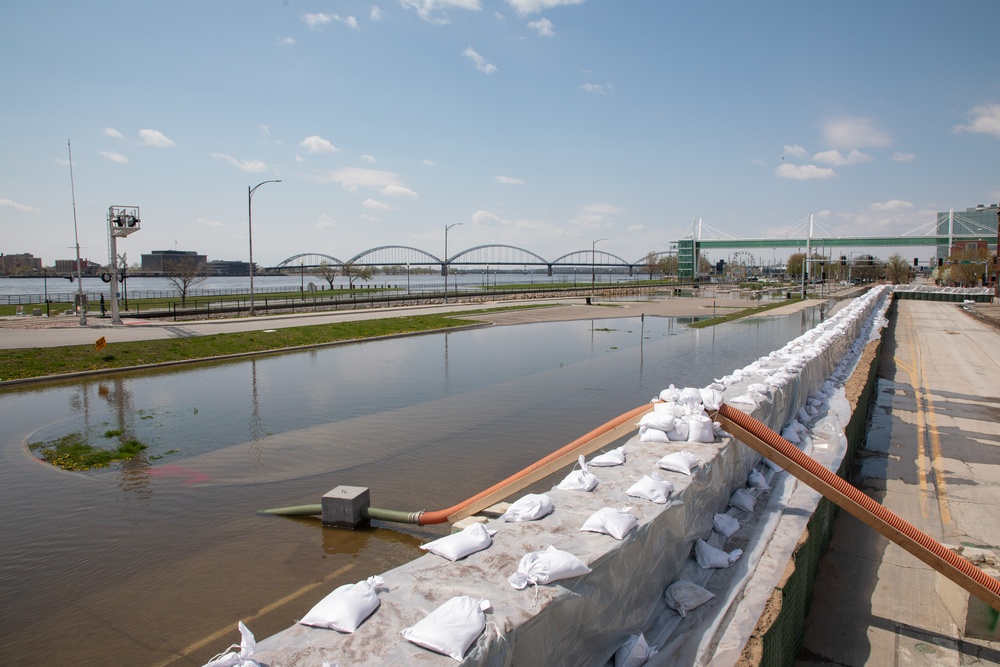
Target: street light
{"x":122,"y":221}
{"x":444,"y":264}
{"x":250,"y":192}
{"x":592,"y":265}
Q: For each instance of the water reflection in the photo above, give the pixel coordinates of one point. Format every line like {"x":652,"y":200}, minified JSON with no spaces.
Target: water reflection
{"x":160,"y":553}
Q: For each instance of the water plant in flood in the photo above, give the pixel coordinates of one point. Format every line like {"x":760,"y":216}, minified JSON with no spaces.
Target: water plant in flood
{"x":73,"y":452}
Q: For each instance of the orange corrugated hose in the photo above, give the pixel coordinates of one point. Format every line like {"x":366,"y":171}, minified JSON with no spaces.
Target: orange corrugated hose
{"x":886,"y":522}
{"x":441,"y":516}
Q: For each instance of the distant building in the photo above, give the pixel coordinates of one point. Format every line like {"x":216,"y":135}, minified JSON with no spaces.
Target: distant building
{"x":68,"y":266}
{"x":162,"y":262}
{"x":15,"y":265}
{"x":220,"y":267}
{"x":973,"y":220}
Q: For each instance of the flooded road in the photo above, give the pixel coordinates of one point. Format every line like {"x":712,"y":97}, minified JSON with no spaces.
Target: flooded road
{"x":154,"y":561}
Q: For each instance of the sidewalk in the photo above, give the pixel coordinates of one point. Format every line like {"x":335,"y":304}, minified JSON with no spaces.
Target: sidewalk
{"x":933,"y":457}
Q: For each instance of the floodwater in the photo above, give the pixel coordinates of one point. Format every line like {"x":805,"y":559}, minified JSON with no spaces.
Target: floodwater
{"x":153,"y":562}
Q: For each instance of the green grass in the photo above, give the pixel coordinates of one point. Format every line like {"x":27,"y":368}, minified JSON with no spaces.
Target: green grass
{"x":745,"y":312}
{"x":72,"y":452}
{"x":38,"y":362}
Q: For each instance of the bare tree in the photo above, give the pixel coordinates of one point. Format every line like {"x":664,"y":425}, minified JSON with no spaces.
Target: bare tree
{"x":650,"y":264}
{"x":967,"y":266}
{"x":329,"y":271}
{"x":188,"y":273}
{"x":353,"y":272}
{"x":897,"y":270}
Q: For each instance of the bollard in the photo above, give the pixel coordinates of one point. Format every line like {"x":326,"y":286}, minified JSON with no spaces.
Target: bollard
{"x":343,"y":506}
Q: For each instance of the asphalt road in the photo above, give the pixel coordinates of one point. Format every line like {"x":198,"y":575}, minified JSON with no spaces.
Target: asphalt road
{"x":933,"y":457}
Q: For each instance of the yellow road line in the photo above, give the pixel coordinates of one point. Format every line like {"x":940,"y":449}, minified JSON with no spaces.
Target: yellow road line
{"x":216,"y":636}
{"x":922,"y":460}
{"x":937,"y":463}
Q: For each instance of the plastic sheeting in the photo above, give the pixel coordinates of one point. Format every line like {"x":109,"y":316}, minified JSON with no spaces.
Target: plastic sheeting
{"x":586,"y":619}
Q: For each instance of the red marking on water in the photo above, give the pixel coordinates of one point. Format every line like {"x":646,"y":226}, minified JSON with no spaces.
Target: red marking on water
{"x":186,"y":475}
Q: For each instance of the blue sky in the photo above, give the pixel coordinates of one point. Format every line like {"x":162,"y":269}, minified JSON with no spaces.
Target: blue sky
{"x":544,"y":124}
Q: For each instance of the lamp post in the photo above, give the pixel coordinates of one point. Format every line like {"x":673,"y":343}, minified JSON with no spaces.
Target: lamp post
{"x":407,"y":279}
{"x":250,"y":192}
{"x":122,"y":221}
{"x":302,"y":280}
{"x":593,"y":270}
{"x":444,"y":263}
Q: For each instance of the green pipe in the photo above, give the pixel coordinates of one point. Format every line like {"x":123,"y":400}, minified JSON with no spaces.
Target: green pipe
{"x":395,"y":516}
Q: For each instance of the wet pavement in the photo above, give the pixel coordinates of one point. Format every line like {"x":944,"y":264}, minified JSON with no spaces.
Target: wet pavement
{"x":932,"y":456}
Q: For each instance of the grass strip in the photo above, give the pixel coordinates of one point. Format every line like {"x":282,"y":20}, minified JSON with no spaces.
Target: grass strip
{"x":16,"y":364}
{"x":745,"y":312}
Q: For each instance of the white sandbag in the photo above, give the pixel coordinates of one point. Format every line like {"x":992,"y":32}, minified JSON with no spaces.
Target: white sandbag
{"x":530,"y":507}
{"x":651,"y":488}
{"x":791,"y":435}
{"x":578,"y":480}
{"x":634,"y":652}
{"x":544,"y":567}
{"x":772,"y":465}
{"x":346,"y":608}
{"x":670,"y":394}
{"x":682,"y":462}
{"x":615,"y":457}
{"x":680,"y":431}
{"x":690,"y":396}
{"x":756,"y":480}
{"x":725,"y":525}
{"x":610,"y":521}
{"x":683,"y":596}
{"x":650,"y":434}
{"x":711,"y":398}
{"x":663,"y":421}
{"x":231,"y":658}
{"x":742,"y":500}
{"x":451,"y":628}
{"x":459,"y":545}
{"x":700,"y":429}
{"x":709,"y":557}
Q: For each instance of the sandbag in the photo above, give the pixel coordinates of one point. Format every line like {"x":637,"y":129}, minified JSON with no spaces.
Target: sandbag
{"x":663,"y":421}
{"x":682,"y":462}
{"x":700,"y":429}
{"x":709,"y":557}
{"x":451,"y":628}
{"x":650,"y":434}
{"x":683,"y":596}
{"x":615,"y":457}
{"x":459,"y":545}
{"x":680,"y":431}
{"x":651,"y":488}
{"x":346,"y":608}
{"x":247,"y":647}
{"x":544,"y":567}
{"x":530,"y":507}
{"x":610,"y":521}
{"x":742,"y":500}
{"x":756,"y":480}
{"x":634,"y":652}
{"x":725,"y":525}
{"x":578,"y":480}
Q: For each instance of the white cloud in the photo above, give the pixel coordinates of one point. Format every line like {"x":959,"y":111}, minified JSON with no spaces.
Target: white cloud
{"x":543,"y":27}
{"x":433,"y":11}
{"x":316,"y":20}
{"x":210,"y":223}
{"x":480,"y":62}
{"x":429,"y":163}
{"x":317,"y":144}
{"x":249,"y":166}
{"x":370,"y":159}
{"x":795,"y":151}
{"x":325,"y":222}
{"x":286,"y":41}
{"x":398,"y":191}
{"x":600,"y":89}
{"x":113,"y":133}
{"x":635,"y":229}
{"x":892,"y":205}
{"x":838,"y":159}
{"x":376,"y":204}
{"x":10,"y":203}
{"x":114,"y":157}
{"x":350,"y":22}
{"x":155,"y":138}
{"x":376,"y":14}
{"x":902,"y":157}
{"x":524,"y":7}
{"x":508,"y":180}
{"x":984,"y":119}
{"x":804,"y":172}
{"x":594,"y":216}
{"x":849,"y":133}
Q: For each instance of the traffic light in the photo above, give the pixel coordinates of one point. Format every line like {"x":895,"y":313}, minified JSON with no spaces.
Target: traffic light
{"x":916,"y":262}
{"x":843,"y":260}
{"x":940,"y":262}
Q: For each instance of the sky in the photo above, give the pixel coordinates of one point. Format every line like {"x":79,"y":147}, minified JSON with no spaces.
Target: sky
{"x":542,"y":124}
